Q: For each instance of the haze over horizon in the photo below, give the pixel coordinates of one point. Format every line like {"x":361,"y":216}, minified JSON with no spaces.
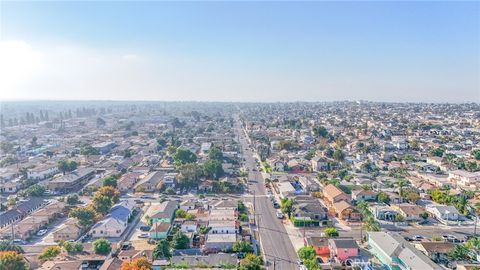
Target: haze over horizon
{"x":240,"y":51}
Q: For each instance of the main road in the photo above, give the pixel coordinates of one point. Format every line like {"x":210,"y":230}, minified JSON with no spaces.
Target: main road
{"x":276,"y":245}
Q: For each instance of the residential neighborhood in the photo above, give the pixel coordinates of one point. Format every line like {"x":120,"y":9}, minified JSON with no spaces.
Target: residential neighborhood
{"x":344,"y":185}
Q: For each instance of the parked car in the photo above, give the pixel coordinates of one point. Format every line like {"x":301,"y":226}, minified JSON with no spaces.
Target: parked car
{"x":143,"y":235}
{"x":41,"y":232}
{"x":126,"y":246}
{"x":280,"y":215}
{"x":19,"y":242}
{"x":144,"y":228}
{"x":418,"y":238}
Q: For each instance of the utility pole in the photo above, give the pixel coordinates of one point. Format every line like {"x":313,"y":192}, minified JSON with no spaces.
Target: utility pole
{"x":254,"y":209}
{"x":274,"y":263}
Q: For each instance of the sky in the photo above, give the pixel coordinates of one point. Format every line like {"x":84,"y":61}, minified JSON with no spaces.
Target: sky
{"x":240,"y":51}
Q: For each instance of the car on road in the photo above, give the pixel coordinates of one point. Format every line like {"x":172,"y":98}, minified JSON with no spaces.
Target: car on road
{"x":41,"y":232}
{"x":276,"y":205}
{"x":280,"y":215}
{"x":19,"y":242}
{"x":418,"y":238}
{"x":143,"y":235}
{"x":144,"y":228}
{"x":126,"y":246}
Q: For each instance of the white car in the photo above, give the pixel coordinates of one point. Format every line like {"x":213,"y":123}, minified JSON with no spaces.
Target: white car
{"x":280,"y":215}
{"x":41,"y":232}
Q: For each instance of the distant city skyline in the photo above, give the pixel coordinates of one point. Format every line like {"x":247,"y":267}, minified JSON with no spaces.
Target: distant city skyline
{"x":240,"y":51}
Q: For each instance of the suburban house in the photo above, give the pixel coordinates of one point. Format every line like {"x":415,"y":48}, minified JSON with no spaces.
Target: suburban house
{"x":320,"y":244}
{"x":189,"y":226}
{"x":69,"y":230}
{"x":164,"y":212}
{"x":42,"y":172}
{"x":219,"y":242}
{"x":394,"y":252}
{"x":20,"y":210}
{"x":464,"y":179}
{"x":151,"y":183}
{"x":160,"y":230}
{"x":319,"y":164}
{"x":71,"y":182}
{"x":311,"y":210}
{"x":127,"y":181}
{"x":115,"y":223}
{"x":223,"y":226}
{"x":443,"y":213}
{"x":436,"y":251}
{"x":364,"y":195}
{"x":333,"y":194}
{"x":343,"y":248}
{"x":104,"y":147}
{"x":410,"y":212}
{"x":383,"y":212}
{"x":346,"y":211}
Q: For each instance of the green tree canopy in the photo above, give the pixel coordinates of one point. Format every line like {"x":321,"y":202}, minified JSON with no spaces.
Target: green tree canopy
{"x":215,"y":153}
{"x":162,"y":250}
{"x":184,"y":156}
{"x":84,"y":215}
{"x":12,"y":260}
{"x":180,"y":241}
{"x":102,"y":246}
{"x":49,"y":253}
{"x":213,"y":168}
{"x":242,"y":246}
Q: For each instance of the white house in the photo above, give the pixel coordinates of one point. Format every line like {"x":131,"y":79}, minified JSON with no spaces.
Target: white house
{"x":189,"y":226}
{"x":223,"y":226}
{"x":464,"y":178}
{"x":42,"y":172}
{"x":443,"y":213}
{"x":115,"y":223}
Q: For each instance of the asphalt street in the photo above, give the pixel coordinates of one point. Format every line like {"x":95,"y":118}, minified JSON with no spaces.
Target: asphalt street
{"x":276,"y":245}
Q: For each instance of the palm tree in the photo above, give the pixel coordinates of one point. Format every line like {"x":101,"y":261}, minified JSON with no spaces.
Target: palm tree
{"x":476,"y":208}
{"x":400,"y":184}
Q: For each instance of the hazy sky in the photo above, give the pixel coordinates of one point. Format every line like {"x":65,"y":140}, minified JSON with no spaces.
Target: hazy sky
{"x":241,"y":51}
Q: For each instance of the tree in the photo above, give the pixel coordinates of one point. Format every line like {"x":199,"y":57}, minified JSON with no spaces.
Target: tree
{"x":6,"y":245}
{"x":101,"y":203}
{"x":320,"y":131}
{"x":162,"y":250}
{"x":251,"y":262}
{"x":49,"y":253}
{"x":437,"y":152}
{"x":72,"y":199}
{"x":383,"y":197}
{"x":70,"y":247}
{"x":460,"y":252}
{"x":476,"y":154}
{"x":180,"y":213}
{"x":12,"y":260}
{"x":140,"y":263}
{"x":105,"y":198}
{"x":215,"y":153}
{"x":88,"y":150}
{"x":312,"y":264}
{"x":84,"y":215}
{"x":180,"y":241}
{"x":287,"y":206}
{"x":190,"y":174}
{"x":110,"y":181}
{"x":34,"y":191}
{"x":102,"y":246}
{"x":66,"y":166}
{"x":306,"y":253}
{"x":213,"y":169}
{"x":338,"y":155}
{"x":424,"y":215}
{"x":242,"y":246}
{"x":184,"y":156}
{"x":331,"y":232}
